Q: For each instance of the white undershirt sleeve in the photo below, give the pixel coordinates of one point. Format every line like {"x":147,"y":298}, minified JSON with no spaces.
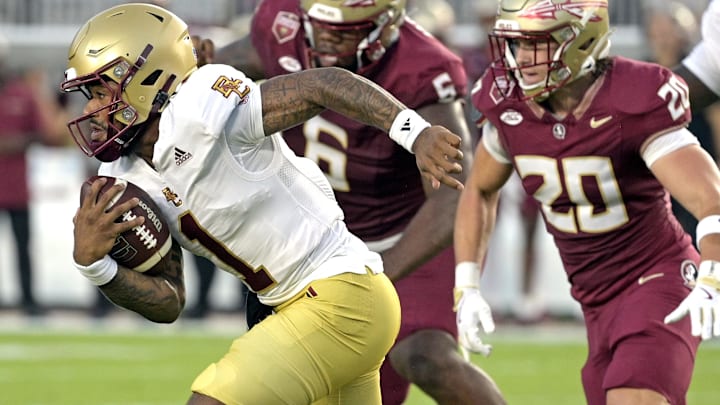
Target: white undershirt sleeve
{"x":668,"y":143}
{"x":491,"y":141}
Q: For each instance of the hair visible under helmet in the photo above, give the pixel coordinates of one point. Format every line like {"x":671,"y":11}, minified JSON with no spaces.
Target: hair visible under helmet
{"x":580,"y":28}
{"x":382,"y":17}
{"x":145,"y":50}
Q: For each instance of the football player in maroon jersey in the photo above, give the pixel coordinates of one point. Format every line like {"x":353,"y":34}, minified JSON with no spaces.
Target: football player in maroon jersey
{"x":385,"y":200}
{"x":601,"y":143}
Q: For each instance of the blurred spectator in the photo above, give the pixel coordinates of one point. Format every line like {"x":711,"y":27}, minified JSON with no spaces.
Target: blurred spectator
{"x":530,"y":307}
{"x":206,"y":272}
{"x":435,"y":16}
{"x":672,"y":29}
{"x":695,"y":6}
{"x":471,"y":41}
{"x":26,"y":112}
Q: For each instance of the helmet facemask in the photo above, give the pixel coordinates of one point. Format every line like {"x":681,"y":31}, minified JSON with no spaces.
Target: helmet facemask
{"x":121,"y":116}
{"x":546,"y":53}
{"x":577,"y":31}
{"x":375,"y":33}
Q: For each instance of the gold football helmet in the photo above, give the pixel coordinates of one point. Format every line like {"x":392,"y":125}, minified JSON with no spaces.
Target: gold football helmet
{"x":382,"y":17}
{"x":146,"y":51}
{"x":579,"y":28}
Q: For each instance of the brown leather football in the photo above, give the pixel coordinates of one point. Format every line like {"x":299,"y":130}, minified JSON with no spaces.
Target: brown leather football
{"x":144,"y":246}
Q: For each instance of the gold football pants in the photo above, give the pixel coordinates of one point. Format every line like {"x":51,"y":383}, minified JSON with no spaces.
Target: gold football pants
{"x":326,"y":345}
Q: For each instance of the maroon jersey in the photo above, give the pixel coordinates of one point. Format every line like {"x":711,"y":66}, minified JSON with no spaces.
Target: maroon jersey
{"x":367,"y":170}
{"x":609,"y":216}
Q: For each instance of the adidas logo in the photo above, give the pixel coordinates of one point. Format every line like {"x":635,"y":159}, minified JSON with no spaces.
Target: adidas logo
{"x":406,"y":126}
{"x":181,"y":156}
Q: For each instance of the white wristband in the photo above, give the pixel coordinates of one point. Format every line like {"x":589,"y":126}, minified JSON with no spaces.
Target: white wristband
{"x":406,"y":128}
{"x":101,"y":272}
{"x":467,"y":275}
{"x":708,"y":225}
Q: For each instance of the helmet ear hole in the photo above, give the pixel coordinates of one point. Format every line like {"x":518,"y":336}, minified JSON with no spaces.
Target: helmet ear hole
{"x":587,"y":44}
{"x":152,"y":78}
{"x":158,"y":16}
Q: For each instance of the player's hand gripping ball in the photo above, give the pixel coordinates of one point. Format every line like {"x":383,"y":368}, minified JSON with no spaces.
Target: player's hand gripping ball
{"x":144,"y":246}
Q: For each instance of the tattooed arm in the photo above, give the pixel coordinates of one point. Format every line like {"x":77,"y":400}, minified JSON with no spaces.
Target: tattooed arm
{"x":289,"y":100}
{"x":158,"y":294}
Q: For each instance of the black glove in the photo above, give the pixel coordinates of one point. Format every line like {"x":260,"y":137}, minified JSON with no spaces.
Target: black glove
{"x":255,"y":311}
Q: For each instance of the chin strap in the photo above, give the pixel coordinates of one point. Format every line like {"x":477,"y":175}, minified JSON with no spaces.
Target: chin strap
{"x":162,"y":97}
{"x":122,"y":145}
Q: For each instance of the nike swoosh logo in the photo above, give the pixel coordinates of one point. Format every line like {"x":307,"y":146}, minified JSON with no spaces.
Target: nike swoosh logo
{"x":644,"y":279}
{"x":709,"y":296}
{"x":598,"y":123}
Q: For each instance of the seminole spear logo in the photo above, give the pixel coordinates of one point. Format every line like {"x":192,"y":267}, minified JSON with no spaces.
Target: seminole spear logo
{"x":359,"y":3}
{"x":546,"y":9}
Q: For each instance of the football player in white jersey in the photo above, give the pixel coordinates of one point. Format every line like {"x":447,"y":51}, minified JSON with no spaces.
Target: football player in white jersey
{"x":199,"y":141}
{"x":701,"y":69}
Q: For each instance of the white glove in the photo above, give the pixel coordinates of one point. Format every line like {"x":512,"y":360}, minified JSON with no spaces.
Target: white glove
{"x":703,"y":303}
{"x":473,"y":312}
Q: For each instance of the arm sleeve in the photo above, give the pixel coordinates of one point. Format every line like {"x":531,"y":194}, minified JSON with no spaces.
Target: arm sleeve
{"x":491,"y":140}
{"x":232,"y":104}
{"x":245,"y":124}
{"x":666,"y":144}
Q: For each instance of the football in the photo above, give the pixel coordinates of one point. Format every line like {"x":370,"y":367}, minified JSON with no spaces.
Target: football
{"x":144,"y":246}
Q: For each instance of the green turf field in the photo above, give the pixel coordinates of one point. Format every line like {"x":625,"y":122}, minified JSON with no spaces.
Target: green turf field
{"x":156,"y":367}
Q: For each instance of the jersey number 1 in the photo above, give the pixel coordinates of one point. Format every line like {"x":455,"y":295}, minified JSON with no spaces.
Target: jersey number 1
{"x":258,"y":279}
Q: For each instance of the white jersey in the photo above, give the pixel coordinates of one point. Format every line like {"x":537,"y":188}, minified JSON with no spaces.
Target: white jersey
{"x":240,"y":198}
{"x":704,"y":60}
